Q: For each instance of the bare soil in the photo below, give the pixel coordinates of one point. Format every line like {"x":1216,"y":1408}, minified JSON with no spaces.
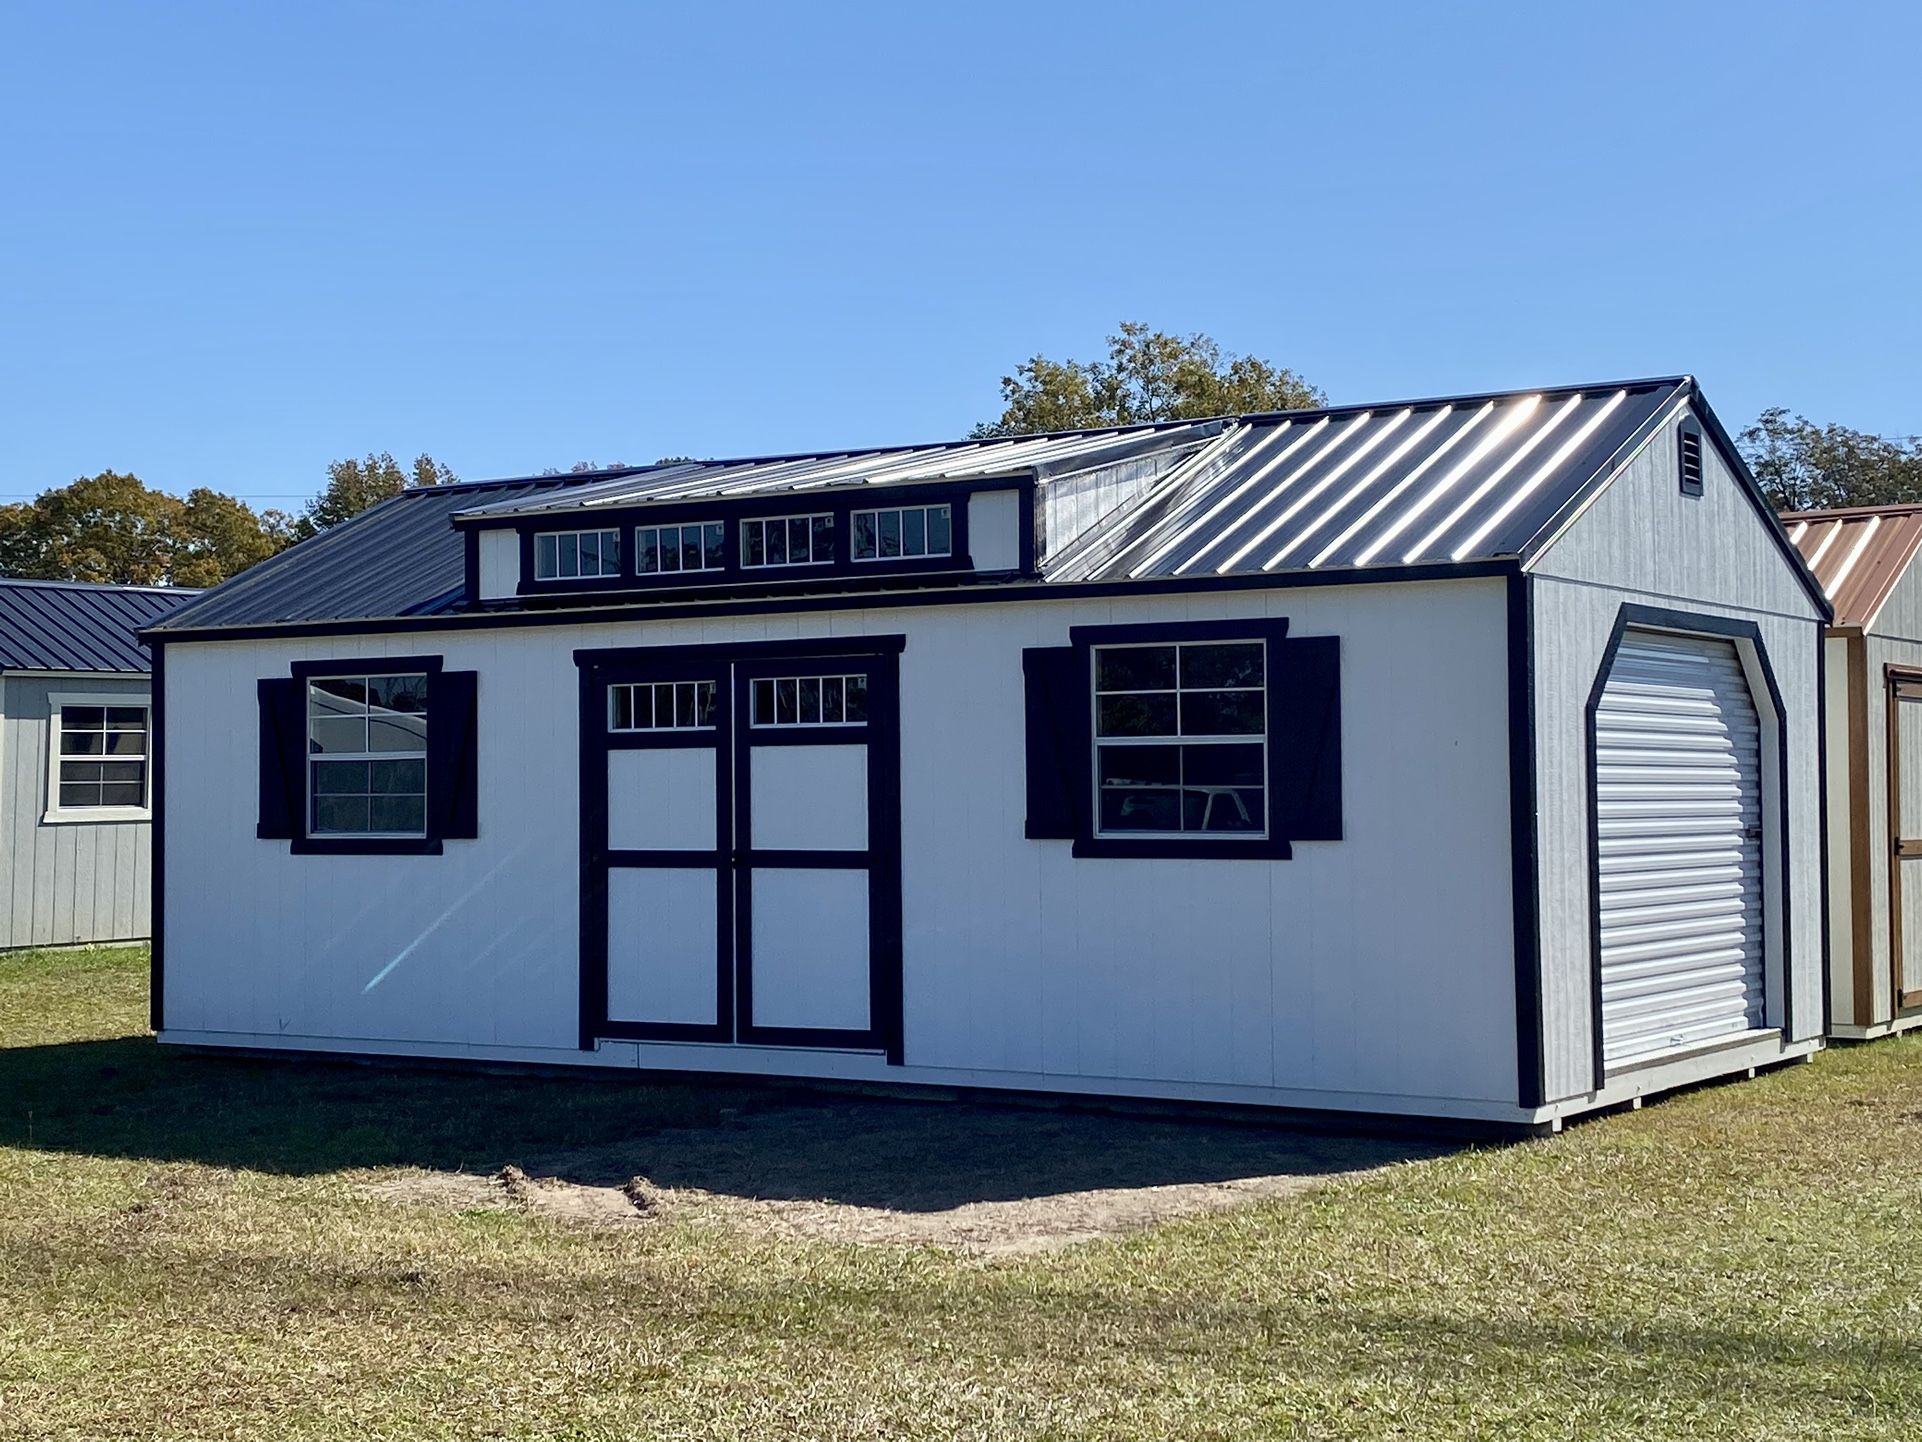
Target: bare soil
{"x":973,"y":1178}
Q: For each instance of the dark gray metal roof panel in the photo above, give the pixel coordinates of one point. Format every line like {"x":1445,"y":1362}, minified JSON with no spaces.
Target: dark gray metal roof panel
{"x":1470,"y":478}
{"x":402,"y":557}
{"x":70,"y":626}
{"x":1392,"y":485}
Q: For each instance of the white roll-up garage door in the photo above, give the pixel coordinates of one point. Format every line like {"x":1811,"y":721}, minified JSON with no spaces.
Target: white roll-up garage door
{"x":1679,"y":820}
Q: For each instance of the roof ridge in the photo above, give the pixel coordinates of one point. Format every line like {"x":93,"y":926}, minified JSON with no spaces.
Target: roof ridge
{"x":100,"y":585}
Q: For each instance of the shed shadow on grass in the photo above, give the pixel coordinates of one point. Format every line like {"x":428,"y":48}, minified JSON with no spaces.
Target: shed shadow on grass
{"x":129,"y":1097}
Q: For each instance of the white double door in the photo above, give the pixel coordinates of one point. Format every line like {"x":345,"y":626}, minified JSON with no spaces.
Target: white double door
{"x":741,"y":877}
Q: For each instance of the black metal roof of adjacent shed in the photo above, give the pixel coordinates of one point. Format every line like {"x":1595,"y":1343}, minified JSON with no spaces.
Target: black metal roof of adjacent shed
{"x":72,"y":626}
{"x":1345,"y":489}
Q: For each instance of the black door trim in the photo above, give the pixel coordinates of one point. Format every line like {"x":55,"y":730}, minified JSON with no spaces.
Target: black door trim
{"x":730,"y":665}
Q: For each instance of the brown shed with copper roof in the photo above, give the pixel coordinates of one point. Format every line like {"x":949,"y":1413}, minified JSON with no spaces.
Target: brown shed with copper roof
{"x":1858,"y":554}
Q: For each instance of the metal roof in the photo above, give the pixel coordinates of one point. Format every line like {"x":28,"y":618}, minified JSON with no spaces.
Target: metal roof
{"x":1467,"y":478}
{"x":1040,"y":456}
{"x":1399,"y":484}
{"x":1858,"y":554}
{"x":72,"y":626}
{"x":402,"y":557}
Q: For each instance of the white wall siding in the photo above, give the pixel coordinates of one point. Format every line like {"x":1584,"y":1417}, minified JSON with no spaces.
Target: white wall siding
{"x":68,"y":881}
{"x":500,"y":563}
{"x":994,"y":530}
{"x":1379,"y":966}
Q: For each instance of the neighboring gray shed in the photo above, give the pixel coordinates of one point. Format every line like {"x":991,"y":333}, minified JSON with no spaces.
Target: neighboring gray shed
{"x":74,"y":761}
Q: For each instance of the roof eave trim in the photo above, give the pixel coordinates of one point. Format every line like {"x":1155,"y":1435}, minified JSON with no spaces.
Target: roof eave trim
{"x":1026,"y":590}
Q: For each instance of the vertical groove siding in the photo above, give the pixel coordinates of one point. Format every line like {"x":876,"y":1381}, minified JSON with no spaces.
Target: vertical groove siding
{"x":1679,"y":822}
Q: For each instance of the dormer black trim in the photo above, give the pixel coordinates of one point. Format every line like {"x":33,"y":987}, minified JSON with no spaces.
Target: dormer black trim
{"x":735,"y":579}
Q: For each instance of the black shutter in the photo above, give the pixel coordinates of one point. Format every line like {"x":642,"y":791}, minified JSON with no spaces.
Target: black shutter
{"x":1304,"y":743}
{"x":283,"y":757}
{"x":1058,"y":760}
{"x":453,"y":756}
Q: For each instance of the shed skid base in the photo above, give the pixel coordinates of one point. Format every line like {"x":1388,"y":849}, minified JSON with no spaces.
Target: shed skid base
{"x":1843,"y":1031}
{"x":778,"y":1064}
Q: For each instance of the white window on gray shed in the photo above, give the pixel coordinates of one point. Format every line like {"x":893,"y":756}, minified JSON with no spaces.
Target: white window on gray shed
{"x":101,"y":760}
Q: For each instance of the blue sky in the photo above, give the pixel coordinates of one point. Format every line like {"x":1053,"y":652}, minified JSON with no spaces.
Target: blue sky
{"x":237,"y":241}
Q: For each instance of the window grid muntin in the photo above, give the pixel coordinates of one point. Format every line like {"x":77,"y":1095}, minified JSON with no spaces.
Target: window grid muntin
{"x":82,"y":771}
{"x":709,"y":547}
{"x":560,"y":555}
{"x":638,"y":706}
{"x":758,"y":540}
{"x":369,"y":757}
{"x":877,"y":520}
{"x":844,"y":695}
{"x":1178,"y":739}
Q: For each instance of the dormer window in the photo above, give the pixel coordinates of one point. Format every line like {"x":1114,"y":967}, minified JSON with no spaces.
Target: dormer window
{"x":903,"y":533}
{"x":691,"y":546}
{"x":788,"y":541}
{"x":576,"y":555}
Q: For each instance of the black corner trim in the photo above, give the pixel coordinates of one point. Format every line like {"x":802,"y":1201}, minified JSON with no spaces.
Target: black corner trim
{"x":1696,"y":623}
{"x":157,"y":885}
{"x":1531,"y":1086}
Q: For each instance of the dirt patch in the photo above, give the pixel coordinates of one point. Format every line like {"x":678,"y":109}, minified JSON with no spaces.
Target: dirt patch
{"x":980,"y":1179}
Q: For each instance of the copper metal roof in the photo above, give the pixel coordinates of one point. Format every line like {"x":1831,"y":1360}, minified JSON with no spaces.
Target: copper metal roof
{"x":1858,"y":554}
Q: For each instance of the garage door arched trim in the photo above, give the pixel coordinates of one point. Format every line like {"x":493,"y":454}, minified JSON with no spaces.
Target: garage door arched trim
{"x":1777,"y":927}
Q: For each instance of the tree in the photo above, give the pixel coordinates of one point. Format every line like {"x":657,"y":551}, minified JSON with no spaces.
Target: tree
{"x":1802,"y":466}
{"x":216,"y":536}
{"x":114,"y":528}
{"x":1148,"y":376}
{"x":353,"y":486}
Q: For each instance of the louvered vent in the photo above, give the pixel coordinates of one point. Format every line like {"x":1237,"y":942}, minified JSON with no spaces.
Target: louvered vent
{"x":1691,"y":454}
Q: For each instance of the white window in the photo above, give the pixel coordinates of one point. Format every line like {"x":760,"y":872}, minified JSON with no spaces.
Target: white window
{"x":788,"y":541}
{"x":810,"y":701}
{"x":367,"y":755}
{"x":99,"y":755}
{"x":904,"y":532}
{"x":661,"y":706}
{"x":576,"y":555}
{"x":1180,"y":739}
{"x":690,"y":546}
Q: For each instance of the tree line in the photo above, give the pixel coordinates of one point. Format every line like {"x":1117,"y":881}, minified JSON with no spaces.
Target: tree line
{"x":115,"y":528}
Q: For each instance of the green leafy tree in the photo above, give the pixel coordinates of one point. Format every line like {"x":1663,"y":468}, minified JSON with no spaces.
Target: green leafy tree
{"x":353,"y":486}
{"x":216,"y":536}
{"x":1804,"y":466}
{"x":1148,"y":376}
{"x":114,"y":528}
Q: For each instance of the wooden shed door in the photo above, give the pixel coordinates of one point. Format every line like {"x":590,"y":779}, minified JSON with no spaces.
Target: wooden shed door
{"x":741,"y":850}
{"x":1905,"y":836}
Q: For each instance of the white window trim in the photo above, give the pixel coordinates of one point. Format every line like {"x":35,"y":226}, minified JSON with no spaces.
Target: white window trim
{"x":57,"y":815}
{"x":1095,"y":693}
{"x":599,"y":575}
{"x":755,"y":721}
{"x":877,"y":512}
{"x":678,"y":527}
{"x":308,"y":759}
{"x":764,"y":521}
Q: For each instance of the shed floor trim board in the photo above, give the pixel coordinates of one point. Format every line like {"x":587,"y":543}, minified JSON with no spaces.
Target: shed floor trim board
{"x":773,"y":1063}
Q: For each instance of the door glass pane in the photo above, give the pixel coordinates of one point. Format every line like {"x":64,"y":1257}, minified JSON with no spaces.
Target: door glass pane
{"x":831,"y":699}
{"x":856,"y":699}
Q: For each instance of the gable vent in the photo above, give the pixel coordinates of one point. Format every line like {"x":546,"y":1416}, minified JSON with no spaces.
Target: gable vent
{"x":1690,"y":451}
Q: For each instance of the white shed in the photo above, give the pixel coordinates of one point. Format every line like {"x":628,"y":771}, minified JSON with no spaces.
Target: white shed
{"x":1453,"y":758}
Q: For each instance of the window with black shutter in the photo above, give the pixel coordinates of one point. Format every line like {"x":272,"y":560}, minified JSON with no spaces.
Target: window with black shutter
{"x":1216,"y":739}
{"x":371,"y":757}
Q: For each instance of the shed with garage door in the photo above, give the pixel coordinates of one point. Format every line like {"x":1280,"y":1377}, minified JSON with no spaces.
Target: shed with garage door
{"x":1865,"y":559}
{"x":1450,"y":758}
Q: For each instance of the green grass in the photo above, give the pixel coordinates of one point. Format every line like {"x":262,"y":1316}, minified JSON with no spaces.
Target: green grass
{"x":186,"y":1251}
